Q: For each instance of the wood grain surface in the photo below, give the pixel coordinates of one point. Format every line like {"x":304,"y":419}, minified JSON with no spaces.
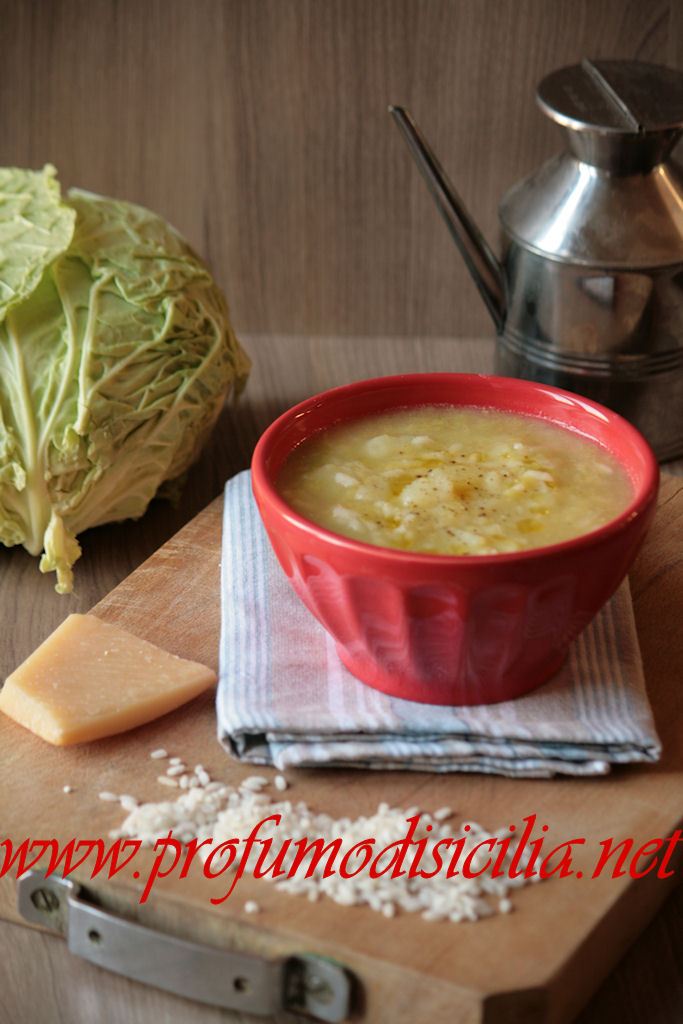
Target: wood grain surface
{"x":260,"y":129}
{"x":287,"y":369}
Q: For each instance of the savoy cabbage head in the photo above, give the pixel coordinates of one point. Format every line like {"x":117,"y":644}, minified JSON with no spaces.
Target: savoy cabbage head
{"x":116,"y":357}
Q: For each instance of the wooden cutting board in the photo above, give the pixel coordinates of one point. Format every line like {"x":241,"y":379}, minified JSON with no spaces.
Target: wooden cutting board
{"x":539,"y":963}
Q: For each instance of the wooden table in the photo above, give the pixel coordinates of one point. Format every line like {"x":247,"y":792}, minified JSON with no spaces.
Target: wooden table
{"x":39,"y":979}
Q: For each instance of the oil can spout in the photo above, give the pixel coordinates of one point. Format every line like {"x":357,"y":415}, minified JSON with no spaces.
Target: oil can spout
{"x":482,"y":264}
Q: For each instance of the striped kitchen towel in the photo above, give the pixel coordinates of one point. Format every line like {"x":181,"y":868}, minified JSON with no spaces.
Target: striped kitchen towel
{"x":285,"y":699}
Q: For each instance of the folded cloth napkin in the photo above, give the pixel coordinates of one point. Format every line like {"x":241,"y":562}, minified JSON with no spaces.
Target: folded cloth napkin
{"x":285,"y":699}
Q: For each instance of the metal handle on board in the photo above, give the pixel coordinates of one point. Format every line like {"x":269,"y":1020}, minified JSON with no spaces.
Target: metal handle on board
{"x":300,"y":984}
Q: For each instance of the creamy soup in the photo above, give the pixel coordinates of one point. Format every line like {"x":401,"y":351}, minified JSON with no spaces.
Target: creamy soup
{"x":459,"y":481}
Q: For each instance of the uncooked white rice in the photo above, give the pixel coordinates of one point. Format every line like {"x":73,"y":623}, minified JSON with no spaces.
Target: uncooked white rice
{"x":442,"y":814}
{"x":254,"y":783}
{"x":166,"y":780}
{"x":207,"y":809}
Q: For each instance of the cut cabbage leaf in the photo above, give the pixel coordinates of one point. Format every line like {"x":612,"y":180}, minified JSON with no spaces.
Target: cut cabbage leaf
{"x":116,"y":357}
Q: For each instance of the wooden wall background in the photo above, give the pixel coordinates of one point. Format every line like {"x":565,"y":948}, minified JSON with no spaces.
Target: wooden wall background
{"x":260,"y":129}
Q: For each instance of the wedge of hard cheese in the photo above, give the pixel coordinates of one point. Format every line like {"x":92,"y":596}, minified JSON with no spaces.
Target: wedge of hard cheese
{"x":91,"y":679}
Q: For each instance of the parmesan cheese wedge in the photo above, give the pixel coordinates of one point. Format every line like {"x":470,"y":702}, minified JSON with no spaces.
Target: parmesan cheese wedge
{"x":91,"y":679}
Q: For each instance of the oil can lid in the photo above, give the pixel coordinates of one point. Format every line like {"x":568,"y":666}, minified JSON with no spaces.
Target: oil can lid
{"x":614,"y":95}
{"x":623,"y":116}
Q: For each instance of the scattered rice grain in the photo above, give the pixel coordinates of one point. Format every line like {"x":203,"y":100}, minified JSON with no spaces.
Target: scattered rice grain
{"x":164,"y":780}
{"x":442,"y":814}
{"x":253,"y":782}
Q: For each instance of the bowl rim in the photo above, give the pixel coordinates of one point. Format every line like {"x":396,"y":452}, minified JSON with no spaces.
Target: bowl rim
{"x":644,"y":498}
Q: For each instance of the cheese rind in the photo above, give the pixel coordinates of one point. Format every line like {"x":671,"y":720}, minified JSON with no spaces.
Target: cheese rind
{"x":91,"y":679}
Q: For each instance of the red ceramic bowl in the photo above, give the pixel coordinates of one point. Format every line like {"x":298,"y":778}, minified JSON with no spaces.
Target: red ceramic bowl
{"x":447,"y":629}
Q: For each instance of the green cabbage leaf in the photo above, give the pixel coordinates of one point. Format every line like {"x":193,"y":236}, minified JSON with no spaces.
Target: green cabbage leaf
{"x":116,"y":357}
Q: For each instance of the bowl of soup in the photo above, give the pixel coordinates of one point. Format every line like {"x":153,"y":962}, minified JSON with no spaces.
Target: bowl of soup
{"x":454,"y":532}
